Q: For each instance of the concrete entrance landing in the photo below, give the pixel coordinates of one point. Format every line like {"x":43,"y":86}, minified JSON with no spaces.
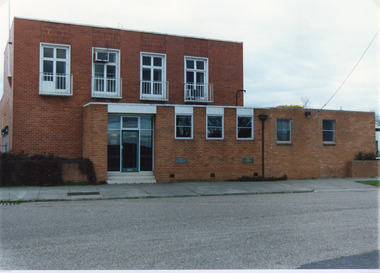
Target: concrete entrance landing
{"x":130,"y":178}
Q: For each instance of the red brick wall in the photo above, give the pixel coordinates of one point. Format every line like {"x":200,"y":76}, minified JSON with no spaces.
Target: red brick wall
{"x":364,"y":168}
{"x":51,"y":124}
{"x":221,"y":157}
{"x":307,"y":156}
{"x":95,"y":120}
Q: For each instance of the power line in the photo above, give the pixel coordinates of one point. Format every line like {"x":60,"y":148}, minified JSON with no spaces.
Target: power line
{"x":361,"y":57}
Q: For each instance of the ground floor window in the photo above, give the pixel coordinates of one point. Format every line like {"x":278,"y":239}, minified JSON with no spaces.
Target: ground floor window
{"x":328,"y":130}
{"x":130,"y":143}
{"x":184,"y":128}
{"x":283,"y":130}
{"x":214,"y":127}
{"x":244,"y":127}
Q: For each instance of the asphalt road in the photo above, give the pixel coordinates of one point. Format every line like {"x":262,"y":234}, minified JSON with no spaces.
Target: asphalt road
{"x":330,"y":229}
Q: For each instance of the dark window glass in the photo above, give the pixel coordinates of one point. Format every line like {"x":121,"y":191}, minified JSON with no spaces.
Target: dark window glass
{"x":111,"y":71}
{"x":146,"y":60}
{"x":113,"y":150}
{"x":283,"y":130}
{"x":48,"y":66}
{"x":146,"y":74}
{"x":328,"y":130}
{"x":214,"y":127}
{"x":190,"y":77}
{"x":200,"y":65}
{"x":130,"y":122}
{"x":99,"y":70}
{"x":146,"y":122}
{"x":189,"y":64}
{"x":244,"y":127}
{"x":146,"y":151}
{"x":48,"y":52}
{"x":61,"y":67}
{"x":112,"y":58}
{"x":183,"y":126}
{"x":113,"y":122}
{"x":157,"y":61}
{"x":157,"y":75}
{"x":61,"y":53}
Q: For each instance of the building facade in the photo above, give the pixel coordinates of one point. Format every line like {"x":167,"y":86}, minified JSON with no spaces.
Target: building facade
{"x":165,"y":106}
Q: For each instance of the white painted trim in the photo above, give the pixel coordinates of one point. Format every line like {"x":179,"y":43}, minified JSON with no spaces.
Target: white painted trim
{"x":248,"y":112}
{"x":216,"y":111}
{"x":132,"y":109}
{"x":188,"y":110}
{"x":105,"y":94}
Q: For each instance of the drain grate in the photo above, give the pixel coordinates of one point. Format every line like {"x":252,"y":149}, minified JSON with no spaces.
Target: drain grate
{"x":83,"y":193}
{"x":9,"y":203}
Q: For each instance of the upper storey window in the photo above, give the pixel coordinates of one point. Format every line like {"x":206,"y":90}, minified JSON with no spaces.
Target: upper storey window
{"x":106,"y":82}
{"x":153,"y":85}
{"x":197,"y":88}
{"x":55,"y":78}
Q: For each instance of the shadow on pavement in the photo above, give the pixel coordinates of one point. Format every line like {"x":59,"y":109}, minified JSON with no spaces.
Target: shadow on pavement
{"x":369,"y":260}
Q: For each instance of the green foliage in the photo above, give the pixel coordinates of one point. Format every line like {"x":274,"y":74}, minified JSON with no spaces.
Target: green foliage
{"x":38,"y":170}
{"x":365,"y":156}
{"x":370,"y":182}
{"x":87,"y":167}
{"x":290,"y":106}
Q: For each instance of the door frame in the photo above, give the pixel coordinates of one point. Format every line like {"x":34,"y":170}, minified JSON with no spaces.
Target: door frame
{"x":137,"y":169}
{"x":139,"y":130}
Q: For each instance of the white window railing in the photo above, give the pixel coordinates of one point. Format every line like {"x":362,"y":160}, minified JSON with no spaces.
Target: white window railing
{"x":154,"y":90}
{"x":56,"y":84}
{"x":106,"y":87}
{"x":199,"y":92}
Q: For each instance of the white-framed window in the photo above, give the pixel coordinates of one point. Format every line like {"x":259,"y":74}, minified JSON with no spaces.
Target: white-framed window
{"x":197,"y":87}
{"x":183,"y":126}
{"x":183,"y":122}
{"x":244,"y":123}
{"x":55,"y":78}
{"x":284,"y":130}
{"x":244,"y":127}
{"x":106,"y":82}
{"x":215,"y":127}
{"x":214,"y":123}
{"x":328,"y":130}
{"x":153,"y":84}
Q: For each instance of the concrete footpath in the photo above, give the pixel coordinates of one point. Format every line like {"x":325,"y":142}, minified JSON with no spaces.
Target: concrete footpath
{"x":180,"y":189}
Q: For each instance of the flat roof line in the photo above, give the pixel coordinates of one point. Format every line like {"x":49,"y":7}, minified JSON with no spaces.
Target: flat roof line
{"x":141,"y":31}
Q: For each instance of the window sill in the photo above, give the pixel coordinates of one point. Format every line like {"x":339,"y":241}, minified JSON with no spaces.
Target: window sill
{"x":329,"y":144}
{"x":284,"y":144}
{"x":105,"y":96}
{"x":153,"y":98}
{"x":55,"y":93}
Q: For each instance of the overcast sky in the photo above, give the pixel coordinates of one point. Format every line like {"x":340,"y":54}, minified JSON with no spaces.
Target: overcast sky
{"x":293,"y":49}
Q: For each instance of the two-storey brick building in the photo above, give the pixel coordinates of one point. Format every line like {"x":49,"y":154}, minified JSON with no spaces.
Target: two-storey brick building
{"x":159,"y":107}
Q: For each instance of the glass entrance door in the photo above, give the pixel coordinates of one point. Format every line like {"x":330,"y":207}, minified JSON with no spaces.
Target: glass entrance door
{"x":130,"y":143}
{"x":130,"y":151}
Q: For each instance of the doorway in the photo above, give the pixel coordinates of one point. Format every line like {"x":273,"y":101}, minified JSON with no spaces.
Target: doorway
{"x":130,"y":143}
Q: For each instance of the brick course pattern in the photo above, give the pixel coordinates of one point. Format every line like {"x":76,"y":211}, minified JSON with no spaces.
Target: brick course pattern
{"x":75,"y":126}
{"x":364,"y":168}
{"x":53,"y":124}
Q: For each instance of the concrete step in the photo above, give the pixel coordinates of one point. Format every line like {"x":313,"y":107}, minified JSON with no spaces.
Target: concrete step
{"x":131,"y":178}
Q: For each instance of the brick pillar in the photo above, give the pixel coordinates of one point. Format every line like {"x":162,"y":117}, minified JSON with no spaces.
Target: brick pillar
{"x":95,"y":138}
